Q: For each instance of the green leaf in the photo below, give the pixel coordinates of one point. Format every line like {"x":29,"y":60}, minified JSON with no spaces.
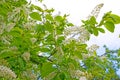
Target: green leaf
{"x":101,"y":30}
{"x":78,"y":54}
{"x":119,"y":52}
{"x":95,"y":31}
{"x":49,"y":27}
{"x":115,"y":18}
{"x":38,"y":8}
{"x":62,"y":76}
{"x":40,"y":28}
{"x":60,"y":39}
{"x":58,"y":18}
{"x":93,"y":20}
{"x":36,"y":16}
{"x":45,"y":49}
{"x":49,"y":17}
{"x":47,"y":68}
{"x":109,"y":26}
{"x":40,"y":0}
{"x":49,"y":10}
{"x":70,"y":24}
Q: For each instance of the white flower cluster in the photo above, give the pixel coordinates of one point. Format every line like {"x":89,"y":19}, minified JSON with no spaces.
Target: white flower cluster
{"x":81,"y":75}
{"x":1,"y":28}
{"x":7,"y":73}
{"x":33,"y":40}
{"x":79,"y":34}
{"x":91,"y":51}
{"x":96,"y":11}
{"x":92,"y":48}
{"x":13,"y":48}
{"x":84,"y":75}
{"x":6,"y":39}
{"x":29,"y":75}
{"x":82,"y":78}
{"x":103,"y":58}
{"x":26,"y":56}
{"x":9,"y":26}
{"x":84,"y":35}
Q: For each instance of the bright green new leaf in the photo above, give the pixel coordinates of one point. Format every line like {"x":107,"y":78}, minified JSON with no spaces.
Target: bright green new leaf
{"x":115,"y":18}
{"x":36,"y":16}
{"x":40,"y":0}
{"x":58,"y":18}
{"x":109,"y":26}
{"x":38,"y":8}
{"x":93,"y":20}
{"x":101,"y":30}
{"x":95,"y":31}
{"x":49,"y":17}
{"x":70,"y":24}
{"x":60,"y":39}
{"x":49,"y":10}
{"x":47,"y":68}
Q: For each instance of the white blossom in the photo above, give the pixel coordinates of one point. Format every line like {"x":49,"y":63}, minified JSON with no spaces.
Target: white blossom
{"x":84,"y":35}
{"x":79,"y":34}
{"x":83,"y":78}
{"x":9,"y":26}
{"x":33,"y":40}
{"x":77,"y":74}
{"x":92,"y":48}
{"x":96,"y":11}
{"x":7,"y":73}
{"x":26,"y":56}
{"x":29,"y":75}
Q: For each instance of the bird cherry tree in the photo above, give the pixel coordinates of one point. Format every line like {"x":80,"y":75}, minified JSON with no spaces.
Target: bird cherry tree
{"x":37,"y":45}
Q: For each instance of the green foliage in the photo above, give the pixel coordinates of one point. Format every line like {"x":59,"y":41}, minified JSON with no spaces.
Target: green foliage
{"x":35,"y":16}
{"x":109,"y":26}
{"x":109,"y":20}
{"x":33,"y":45}
{"x":92,"y":27}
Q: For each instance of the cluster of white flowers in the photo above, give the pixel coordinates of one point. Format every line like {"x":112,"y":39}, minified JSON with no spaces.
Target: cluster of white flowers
{"x":13,"y":48}
{"x":82,"y":78}
{"x":81,"y":75}
{"x":7,"y":73}
{"x":29,"y":75}
{"x":79,"y":34}
{"x":85,"y":56}
{"x":33,"y":40}
{"x":103,"y":57}
{"x":6,"y":39}
{"x":91,"y":51}
{"x":9,"y":26}
{"x":92,"y":48}
{"x":26,"y":56}
{"x":96,"y":11}
{"x":1,"y":28}
{"x":84,"y":35}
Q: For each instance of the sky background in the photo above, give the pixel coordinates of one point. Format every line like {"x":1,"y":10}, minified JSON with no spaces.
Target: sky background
{"x":80,"y":9}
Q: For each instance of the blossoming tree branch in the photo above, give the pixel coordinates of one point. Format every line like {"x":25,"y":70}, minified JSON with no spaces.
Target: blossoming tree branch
{"x":37,"y":45}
